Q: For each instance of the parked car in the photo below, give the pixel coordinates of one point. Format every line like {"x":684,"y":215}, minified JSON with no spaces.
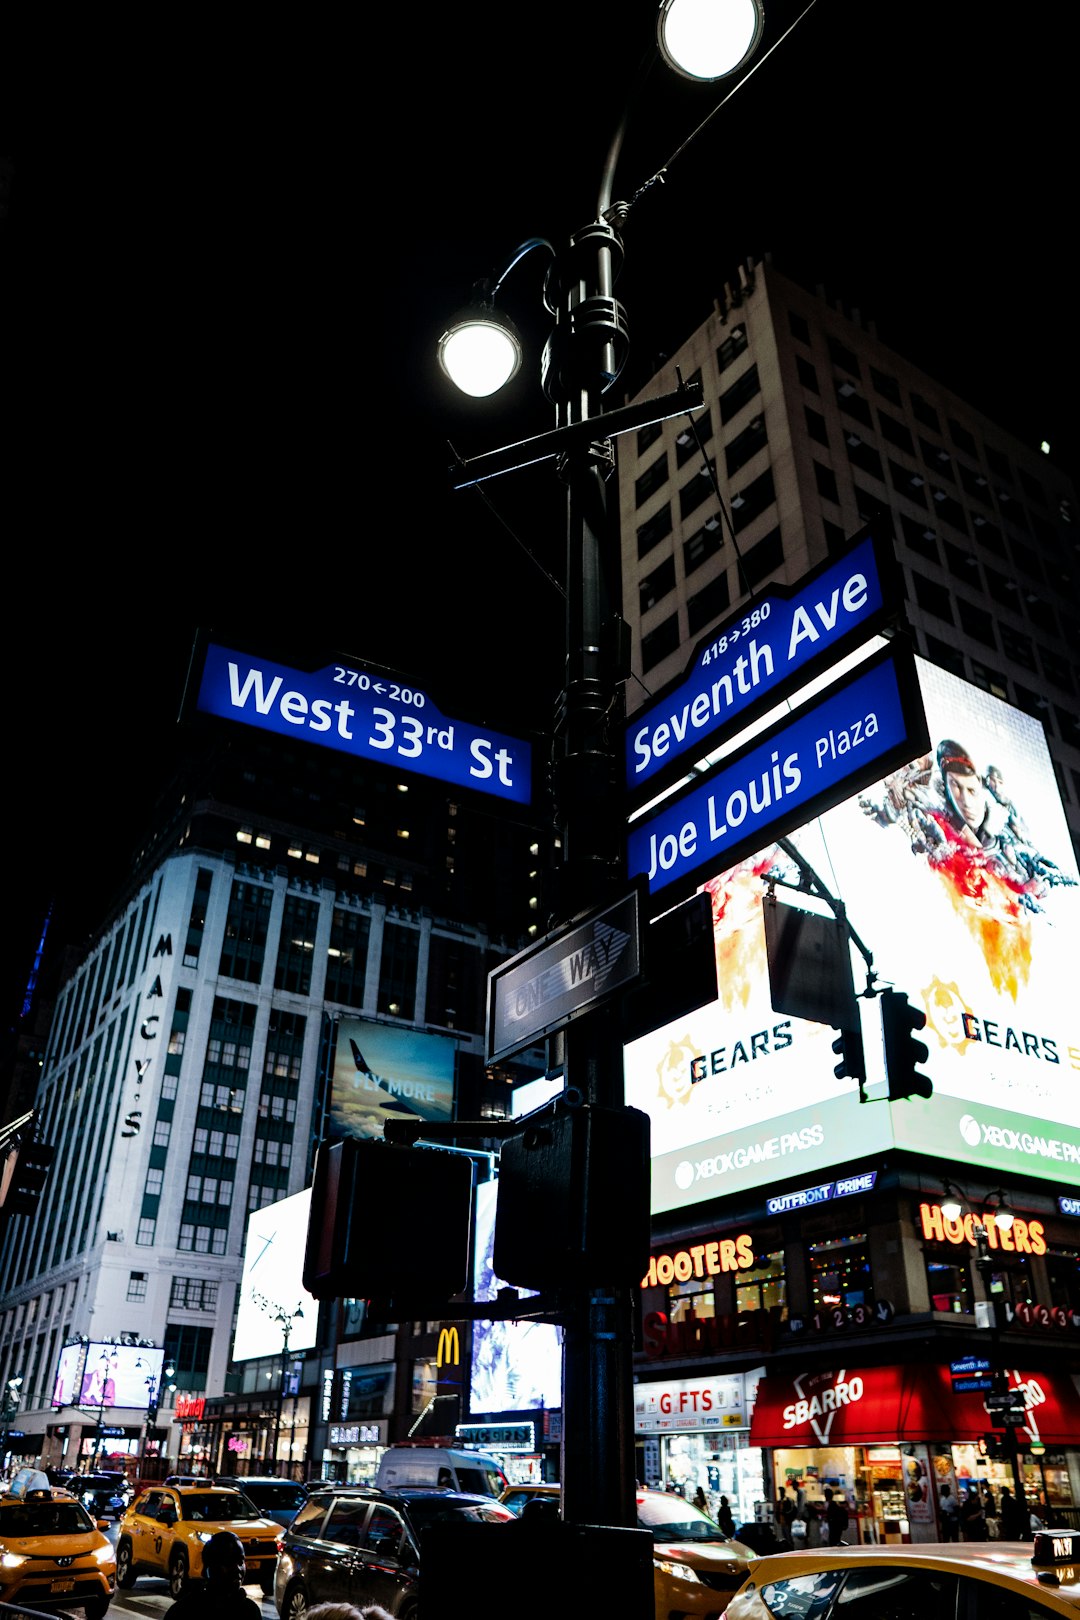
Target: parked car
{"x":981,"y":1580}
{"x":52,"y":1554}
{"x":515,"y":1496}
{"x":454,"y":1467}
{"x":278,"y":1499}
{"x":164,"y":1530}
{"x":358,"y":1544}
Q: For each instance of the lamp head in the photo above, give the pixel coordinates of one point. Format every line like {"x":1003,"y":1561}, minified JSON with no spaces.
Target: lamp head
{"x":952,"y":1205}
{"x":1003,"y":1215}
{"x":708,"y":39}
{"x":480,"y":350}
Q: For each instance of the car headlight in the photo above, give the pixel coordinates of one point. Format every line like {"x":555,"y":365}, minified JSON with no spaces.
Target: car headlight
{"x":681,"y":1572}
{"x":106,"y":1554}
{"x":203,"y":1536}
{"x":12,"y":1560}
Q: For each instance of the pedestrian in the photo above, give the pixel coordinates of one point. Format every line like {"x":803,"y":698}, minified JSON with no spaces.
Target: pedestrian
{"x":785,"y":1515}
{"x":972,"y":1517}
{"x":701,"y":1500}
{"x":220,"y":1593}
{"x":950,"y":1515}
{"x":1012,"y":1518}
{"x":725,"y":1518}
{"x":836,"y":1518}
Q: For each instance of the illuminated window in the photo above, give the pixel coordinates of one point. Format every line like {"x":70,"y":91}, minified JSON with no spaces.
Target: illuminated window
{"x":244,"y":835}
{"x":840,"y":1273}
{"x":693,"y":1297}
{"x":948,"y":1281}
{"x":765,"y":1287}
{"x":424,"y":1384}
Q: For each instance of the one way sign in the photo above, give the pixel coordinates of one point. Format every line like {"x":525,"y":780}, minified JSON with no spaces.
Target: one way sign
{"x":545,"y":987}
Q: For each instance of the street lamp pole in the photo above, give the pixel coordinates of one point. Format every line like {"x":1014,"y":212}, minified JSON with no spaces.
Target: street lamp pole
{"x":583,"y":357}
{"x":284,"y":1319}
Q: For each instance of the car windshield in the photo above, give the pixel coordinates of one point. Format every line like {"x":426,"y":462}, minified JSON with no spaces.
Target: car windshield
{"x":218,"y":1506}
{"x":671,"y":1519}
{"x":43,"y":1519}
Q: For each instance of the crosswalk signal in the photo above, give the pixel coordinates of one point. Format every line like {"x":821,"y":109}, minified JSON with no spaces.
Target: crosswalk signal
{"x":32,"y":1165}
{"x":848,"y":1047}
{"x":903,"y":1053}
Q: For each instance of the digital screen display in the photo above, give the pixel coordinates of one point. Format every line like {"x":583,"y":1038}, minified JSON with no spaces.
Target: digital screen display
{"x":957,"y":873}
{"x":272,"y":1281}
{"x":105,"y":1375}
{"x":383,"y":1071}
{"x":516,"y":1366}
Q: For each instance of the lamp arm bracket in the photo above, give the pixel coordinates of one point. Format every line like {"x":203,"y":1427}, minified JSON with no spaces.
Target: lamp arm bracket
{"x":626,"y":419}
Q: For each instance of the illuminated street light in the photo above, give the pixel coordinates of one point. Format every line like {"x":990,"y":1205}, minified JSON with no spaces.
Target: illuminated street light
{"x":704,"y":40}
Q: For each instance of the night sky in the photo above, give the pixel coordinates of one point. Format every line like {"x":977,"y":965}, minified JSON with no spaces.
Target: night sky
{"x":226,"y":255}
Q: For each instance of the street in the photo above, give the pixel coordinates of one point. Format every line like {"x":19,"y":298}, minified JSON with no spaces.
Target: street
{"x":149,"y":1597}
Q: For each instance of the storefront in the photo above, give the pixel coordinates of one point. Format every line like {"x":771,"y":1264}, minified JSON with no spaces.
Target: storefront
{"x":692,"y":1432}
{"x":890,"y":1437}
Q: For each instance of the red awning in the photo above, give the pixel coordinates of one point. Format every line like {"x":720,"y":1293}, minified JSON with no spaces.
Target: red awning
{"x":861,"y":1405}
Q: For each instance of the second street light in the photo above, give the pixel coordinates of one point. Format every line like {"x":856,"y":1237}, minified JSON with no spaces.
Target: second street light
{"x":284,"y":1319}
{"x":583,"y":357}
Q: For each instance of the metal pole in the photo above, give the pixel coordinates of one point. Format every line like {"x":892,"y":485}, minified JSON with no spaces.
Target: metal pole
{"x":583,"y":355}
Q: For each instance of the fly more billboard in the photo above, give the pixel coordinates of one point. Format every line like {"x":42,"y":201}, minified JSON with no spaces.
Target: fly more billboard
{"x":387,"y":1071}
{"x":958,"y":875}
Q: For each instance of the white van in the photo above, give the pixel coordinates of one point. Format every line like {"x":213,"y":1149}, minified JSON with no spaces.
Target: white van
{"x":452,"y":1467}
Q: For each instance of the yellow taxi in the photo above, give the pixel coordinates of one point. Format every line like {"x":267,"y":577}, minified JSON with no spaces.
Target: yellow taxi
{"x":52,"y":1553}
{"x":166,"y":1528}
{"x":975,"y":1580}
{"x":696,"y":1567}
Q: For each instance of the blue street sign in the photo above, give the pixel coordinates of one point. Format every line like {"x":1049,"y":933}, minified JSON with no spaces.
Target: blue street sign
{"x":759,"y":655}
{"x":860,"y":728}
{"x":970,"y":1364}
{"x":962,"y":1386}
{"x":365,"y":713}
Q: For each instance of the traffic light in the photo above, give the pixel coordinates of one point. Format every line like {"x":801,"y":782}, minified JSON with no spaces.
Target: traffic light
{"x":32,"y":1166}
{"x":848,"y":1047}
{"x":903,"y":1053}
{"x":151,"y":1415}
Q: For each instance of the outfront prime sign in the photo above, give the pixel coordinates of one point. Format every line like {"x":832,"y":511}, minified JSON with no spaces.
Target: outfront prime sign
{"x":366,"y":713}
{"x":840,"y":741}
{"x":758,"y":656}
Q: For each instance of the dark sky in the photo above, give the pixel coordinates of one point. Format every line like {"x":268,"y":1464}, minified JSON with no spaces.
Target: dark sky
{"x":226,"y":255}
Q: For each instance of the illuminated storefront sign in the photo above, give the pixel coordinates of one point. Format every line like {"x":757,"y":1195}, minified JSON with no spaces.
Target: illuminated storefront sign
{"x":498,"y":1436}
{"x":844,"y":1188}
{"x":1022,"y":1237}
{"x":354,"y":1434}
{"x":700,"y":1260}
{"x":717,"y":1402}
{"x":190,"y":1407}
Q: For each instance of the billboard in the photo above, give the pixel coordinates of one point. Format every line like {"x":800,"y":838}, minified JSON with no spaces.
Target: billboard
{"x":516,"y":1366}
{"x":958,"y":874}
{"x":388,"y":1071}
{"x":272,"y":1281}
{"x":99,"y":1374}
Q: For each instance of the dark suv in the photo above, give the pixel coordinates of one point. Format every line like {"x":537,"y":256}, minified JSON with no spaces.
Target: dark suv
{"x":355,"y":1544}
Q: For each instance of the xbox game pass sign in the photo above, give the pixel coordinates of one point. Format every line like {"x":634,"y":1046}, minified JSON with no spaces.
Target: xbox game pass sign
{"x":366,"y":713}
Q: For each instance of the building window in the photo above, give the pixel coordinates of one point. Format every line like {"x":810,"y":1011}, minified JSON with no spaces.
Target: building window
{"x":943,"y":653}
{"x":144,"y":1237}
{"x":136,"y":1288}
{"x":962,"y":439}
{"x":692,"y":1298}
{"x":397,"y":970}
{"x":659,"y":643}
{"x":688,"y":440}
{"x":764,"y":1288}
{"x":695,"y":490}
{"x":852,"y":404}
{"x":1011,"y":1281}
{"x":842,"y":356}
{"x":886,"y":386}
{"x":296,"y":945}
{"x":246,"y":925}
{"x":162,"y":1132}
{"x":826,"y":483}
{"x":746,"y":445}
{"x":193,"y":1294}
{"x":425,"y":1384}
{"x":652,"y":479}
{"x":750,"y":502}
{"x":948,"y":1281}
{"x":815,"y":425}
{"x":1063,"y":1276}
{"x":702,"y":544}
{"x":798,"y":327}
{"x":708,"y":603}
{"x":806,"y":374}
{"x":895,"y":432}
{"x":840,"y":1277}
{"x":655,"y":586}
{"x":731,"y":348}
{"x":648,"y":436}
{"x":154,"y":1179}
{"x":762,"y":559}
{"x":739,"y":394}
{"x":925,"y":413}
{"x":933,"y":598}
{"x":864,"y":456}
{"x":656,"y":529}
{"x":976,"y":622}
